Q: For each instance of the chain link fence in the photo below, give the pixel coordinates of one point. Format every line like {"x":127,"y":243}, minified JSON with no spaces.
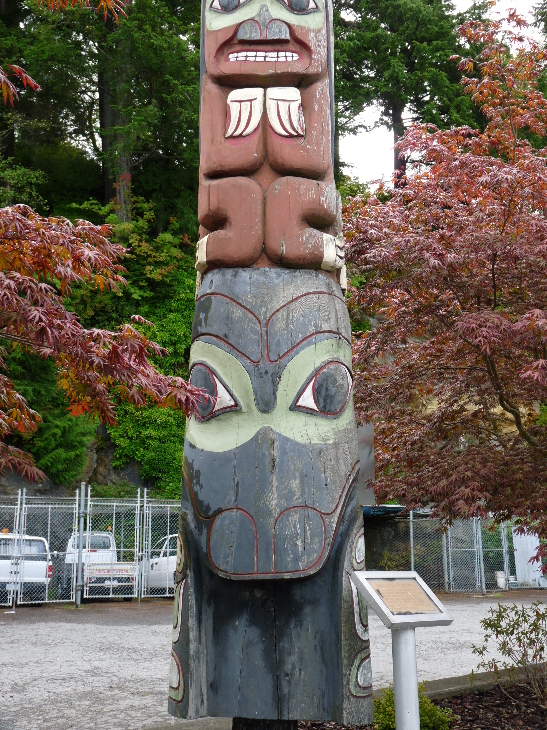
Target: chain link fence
{"x":85,"y":547}
{"x":470,"y":556}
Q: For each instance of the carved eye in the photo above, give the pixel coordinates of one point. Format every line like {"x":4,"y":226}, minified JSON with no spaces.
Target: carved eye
{"x":327,"y":392}
{"x":203,"y":377}
{"x":301,"y":6}
{"x":226,"y":6}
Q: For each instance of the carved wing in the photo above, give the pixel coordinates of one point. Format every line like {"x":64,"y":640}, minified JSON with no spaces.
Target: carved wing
{"x":284,"y":107}
{"x":245,"y":107}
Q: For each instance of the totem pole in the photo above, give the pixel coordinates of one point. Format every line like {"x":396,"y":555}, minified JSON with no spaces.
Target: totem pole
{"x":267,"y":625}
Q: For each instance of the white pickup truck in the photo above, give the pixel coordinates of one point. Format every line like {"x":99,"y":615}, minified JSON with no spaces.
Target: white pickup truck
{"x":25,"y":568}
{"x":104,"y":575}
{"x":159,"y":574}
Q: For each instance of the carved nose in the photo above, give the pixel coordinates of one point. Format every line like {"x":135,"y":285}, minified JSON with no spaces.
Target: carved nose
{"x":263,"y":27}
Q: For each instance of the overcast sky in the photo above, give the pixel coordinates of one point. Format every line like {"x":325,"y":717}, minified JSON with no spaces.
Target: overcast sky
{"x":371,"y":153}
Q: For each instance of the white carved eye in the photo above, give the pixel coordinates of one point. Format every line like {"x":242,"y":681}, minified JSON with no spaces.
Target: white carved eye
{"x":221,"y":399}
{"x":327,"y":391}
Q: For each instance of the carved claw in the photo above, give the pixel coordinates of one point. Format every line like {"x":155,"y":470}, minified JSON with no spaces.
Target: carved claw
{"x":284,"y":107}
{"x":201,"y":255}
{"x":333,"y":257}
{"x":245,"y":107}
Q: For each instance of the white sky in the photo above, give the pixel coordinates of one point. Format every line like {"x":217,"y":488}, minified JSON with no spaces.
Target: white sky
{"x":371,"y":153}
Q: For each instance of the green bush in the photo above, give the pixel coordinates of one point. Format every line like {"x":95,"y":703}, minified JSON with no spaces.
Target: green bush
{"x":155,"y":438}
{"x":519,"y":636}
{"x":431,"y":716}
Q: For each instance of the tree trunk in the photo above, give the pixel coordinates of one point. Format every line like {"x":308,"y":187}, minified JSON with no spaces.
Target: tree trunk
{"x":246,"y":723}
{"x":399,"y":162}
{"x":106,"y":123}
{"x":123,"y":149}
{"x":114,"y":90}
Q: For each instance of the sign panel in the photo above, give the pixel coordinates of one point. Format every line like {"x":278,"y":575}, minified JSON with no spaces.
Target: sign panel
{"x":400,"y":598}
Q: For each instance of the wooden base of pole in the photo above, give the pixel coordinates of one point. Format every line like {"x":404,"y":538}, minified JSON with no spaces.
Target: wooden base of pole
{"x":248,"y":723}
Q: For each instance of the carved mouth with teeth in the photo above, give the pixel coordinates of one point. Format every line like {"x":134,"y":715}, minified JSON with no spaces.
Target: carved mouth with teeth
{"x":261,"y":56}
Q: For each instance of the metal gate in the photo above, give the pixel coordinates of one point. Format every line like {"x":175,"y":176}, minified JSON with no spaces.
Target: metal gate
{"x":9,"y":526}
{"x":159,"y":547}
{"x":110,"y":547}
{"x":44,"y":532}
{"x":465,"y":566}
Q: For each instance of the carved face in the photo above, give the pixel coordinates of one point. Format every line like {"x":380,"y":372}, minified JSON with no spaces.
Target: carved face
{"x":271,"y":464}
{"x":265,"y":42}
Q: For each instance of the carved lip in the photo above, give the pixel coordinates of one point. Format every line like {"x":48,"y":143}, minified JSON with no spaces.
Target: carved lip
{"x":264,"y":57}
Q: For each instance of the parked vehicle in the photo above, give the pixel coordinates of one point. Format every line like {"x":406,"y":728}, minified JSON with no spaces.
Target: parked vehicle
{"x":25,"y":568}
{"x":103,"y":576}
{"x":163,"y":560}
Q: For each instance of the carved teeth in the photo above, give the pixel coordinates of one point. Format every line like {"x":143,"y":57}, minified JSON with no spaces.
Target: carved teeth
{"x":263,"y":56}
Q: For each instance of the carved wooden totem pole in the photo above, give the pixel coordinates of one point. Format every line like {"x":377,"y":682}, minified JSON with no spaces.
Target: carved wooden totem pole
{"x":267,"y":625}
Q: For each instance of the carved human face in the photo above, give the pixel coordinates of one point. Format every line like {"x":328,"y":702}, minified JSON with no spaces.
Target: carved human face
{"x":265,"y":42}
{"x":270,"y":466}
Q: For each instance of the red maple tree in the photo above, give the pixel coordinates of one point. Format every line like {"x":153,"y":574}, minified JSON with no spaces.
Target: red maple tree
{"x":40,"y":260}
{"x":453,"y":266}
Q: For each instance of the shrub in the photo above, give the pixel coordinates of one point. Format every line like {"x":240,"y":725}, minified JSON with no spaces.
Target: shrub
{"x":519,"y":634}
{"x":431,"y":716}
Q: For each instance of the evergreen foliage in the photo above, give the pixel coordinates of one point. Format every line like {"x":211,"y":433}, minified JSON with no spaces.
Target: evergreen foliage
{"x":396,"y":55}
{"x":59,"y":445}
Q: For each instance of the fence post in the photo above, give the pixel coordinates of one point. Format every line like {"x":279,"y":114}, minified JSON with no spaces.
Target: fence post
{"x":79,"y":575}
{"x":445,"y":562}
{"x":14,"y":560}
{"x":480,"y":554}
{"x":411,"y":539}
{"x":505,"y":548}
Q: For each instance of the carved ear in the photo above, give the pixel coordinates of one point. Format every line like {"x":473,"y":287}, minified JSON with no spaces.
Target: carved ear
{"x":284,"y":107}
{"x":245,"y":107}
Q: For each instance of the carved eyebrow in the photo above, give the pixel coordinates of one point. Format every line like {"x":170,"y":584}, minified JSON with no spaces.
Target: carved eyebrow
{"x":221,"y":317}
{"x":305,"y":316}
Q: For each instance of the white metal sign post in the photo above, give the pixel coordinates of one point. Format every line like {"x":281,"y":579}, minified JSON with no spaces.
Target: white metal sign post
{"x":402,"y":601}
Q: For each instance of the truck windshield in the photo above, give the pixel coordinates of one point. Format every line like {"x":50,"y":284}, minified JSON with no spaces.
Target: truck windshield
{"x":24,"y":547}
{"x":33,"y":547}
{"x":96,"y":542}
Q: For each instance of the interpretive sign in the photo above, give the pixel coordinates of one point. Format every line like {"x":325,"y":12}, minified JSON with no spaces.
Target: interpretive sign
{"x":402,"y":601}
{"x":401,"y":598}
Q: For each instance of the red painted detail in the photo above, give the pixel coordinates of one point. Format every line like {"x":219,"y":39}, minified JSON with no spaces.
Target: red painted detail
{"x":214,"y":412}
{"x":235,"y":141}
{"x":181,"y":678}
{"x":296,"y":573}
{"x":320,"y":332}
{"x":253,"y":315}
{"x":210,"y":528}
{"x":318,"y":410}
{"x":292,"y":509}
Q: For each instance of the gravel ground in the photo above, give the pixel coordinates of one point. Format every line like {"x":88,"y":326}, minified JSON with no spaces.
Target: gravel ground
{"x":106,"y":664}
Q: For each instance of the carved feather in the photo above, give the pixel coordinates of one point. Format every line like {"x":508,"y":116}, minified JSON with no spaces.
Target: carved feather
{"x":245,"y":107}
{"x":284,"y":107}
